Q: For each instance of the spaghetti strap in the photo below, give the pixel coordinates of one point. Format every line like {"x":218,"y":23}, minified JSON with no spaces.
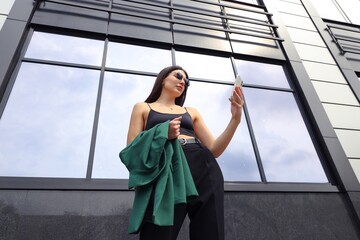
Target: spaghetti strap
{"x":149,"y":106}
{"x":186,"y":110}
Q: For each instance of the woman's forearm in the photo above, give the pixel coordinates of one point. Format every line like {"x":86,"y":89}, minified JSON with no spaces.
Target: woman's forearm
{"x":223,"y":140}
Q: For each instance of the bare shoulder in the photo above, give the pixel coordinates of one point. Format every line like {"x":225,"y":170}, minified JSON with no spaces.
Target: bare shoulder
{"x":193,"y":112}
{"x":140,"y":107}
{"x":137,"y":120}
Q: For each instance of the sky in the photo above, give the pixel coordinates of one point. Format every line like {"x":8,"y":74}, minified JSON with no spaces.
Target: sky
{"x":46,"y":127}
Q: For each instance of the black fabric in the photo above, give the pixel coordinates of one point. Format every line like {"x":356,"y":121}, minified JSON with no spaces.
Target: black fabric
{"x":206,"y":212}
{"x":186,"y":126}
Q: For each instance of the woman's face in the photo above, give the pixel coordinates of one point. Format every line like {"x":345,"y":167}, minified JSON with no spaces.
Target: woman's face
{"x":176,"y":82}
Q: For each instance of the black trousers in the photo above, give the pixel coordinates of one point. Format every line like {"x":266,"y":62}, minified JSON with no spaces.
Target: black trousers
{"x":206,"y":212}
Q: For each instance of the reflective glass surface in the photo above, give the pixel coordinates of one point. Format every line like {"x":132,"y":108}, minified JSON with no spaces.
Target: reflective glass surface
{"x":286,"y":150}
{"x":262,"y":74}
{"x":45,"y":130}
{"x":351,"y":8}
{"x":245,"y":1}
{"x":139,"y":58}
{"x":238,"y":162}
{"x":205,"y":66}
{"x":120,"y":93}
{"x":54,"y":47}
{"x":327,"y":9}
{"x":46,"y":127}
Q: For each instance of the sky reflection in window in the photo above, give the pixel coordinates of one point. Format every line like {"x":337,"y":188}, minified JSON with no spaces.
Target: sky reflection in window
{"x":54,"y":47}
{"x":238,"y":162}
{"x":139,"y":58}
{"x":45,"y":130}
{"x":206,"y":66}
{"x":286,"y":150}
{"x":257,"y":73}
{"x":120,"y":93}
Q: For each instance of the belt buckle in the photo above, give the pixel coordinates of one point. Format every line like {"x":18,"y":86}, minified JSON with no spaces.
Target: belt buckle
{"x":182,"y":141}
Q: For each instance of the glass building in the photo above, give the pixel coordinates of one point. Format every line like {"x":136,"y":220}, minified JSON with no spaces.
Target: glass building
{"x":71,"y":71}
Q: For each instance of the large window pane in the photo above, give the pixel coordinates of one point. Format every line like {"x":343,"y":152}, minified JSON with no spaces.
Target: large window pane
{"x":238,"y":162}
{"x":327,"y":9}
{"x":348,"y":7}
{"x":45,"y":130}
{"x":245,"y":1}
{"x":262,"y":74}
{"x":205,"y":66}
{"x":286,"y":150}
{"x":120,"y":93}
{"x":132,"y":57}
{"x":54,"y":47}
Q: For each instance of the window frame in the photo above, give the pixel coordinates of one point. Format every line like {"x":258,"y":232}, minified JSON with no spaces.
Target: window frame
{"x":121,"y":184}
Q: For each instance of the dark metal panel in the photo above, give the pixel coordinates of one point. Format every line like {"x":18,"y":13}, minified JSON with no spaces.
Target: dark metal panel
{"x":13,"y":183}
{"x":135,"y":27}
{"x":72,"y":17}
{"x":63,"y":183}
{"x":334,"y":50}
{"x":347,"y":39}
{"x":200,"y":37}
{"x":65,"y":215}
{"x":10,"y":37}
{"x":94,"y":215}
{"x":353,"y":80}
{"x":288,"y":216}
{"x":141,"y":21}
{"x":354,"y":198}
{"x":341,"y":165}
{"x":257,"y":29}
{"x":289,"y":51}
{"x":21,"y":10}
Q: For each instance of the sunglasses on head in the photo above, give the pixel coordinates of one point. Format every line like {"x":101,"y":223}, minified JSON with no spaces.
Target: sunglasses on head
{"x":180,"y":76}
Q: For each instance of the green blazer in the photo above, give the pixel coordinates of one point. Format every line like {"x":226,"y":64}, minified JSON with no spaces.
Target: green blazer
{"x":157,"y":164}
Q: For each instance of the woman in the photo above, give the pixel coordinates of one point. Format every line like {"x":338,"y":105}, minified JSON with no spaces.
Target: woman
{"x":206,"y":212}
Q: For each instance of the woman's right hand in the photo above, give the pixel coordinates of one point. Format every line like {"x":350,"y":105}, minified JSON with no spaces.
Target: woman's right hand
{"x":174,"y":128}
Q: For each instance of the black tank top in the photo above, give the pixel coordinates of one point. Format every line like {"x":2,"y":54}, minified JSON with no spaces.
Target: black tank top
{"x":186,"y":126}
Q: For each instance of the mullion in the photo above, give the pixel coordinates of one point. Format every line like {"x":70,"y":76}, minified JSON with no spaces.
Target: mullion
{"x":97,"y":114}
{"x":252,"y":134}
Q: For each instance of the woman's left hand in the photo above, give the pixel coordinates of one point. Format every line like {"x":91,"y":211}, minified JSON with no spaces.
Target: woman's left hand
{"x":237,"y":103}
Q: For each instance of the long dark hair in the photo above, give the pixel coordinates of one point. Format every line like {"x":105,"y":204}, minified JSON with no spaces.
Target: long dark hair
{"x":157,"y":88}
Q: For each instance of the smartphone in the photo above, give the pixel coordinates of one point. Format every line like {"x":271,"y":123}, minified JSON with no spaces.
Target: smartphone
{"x":238,"y":81}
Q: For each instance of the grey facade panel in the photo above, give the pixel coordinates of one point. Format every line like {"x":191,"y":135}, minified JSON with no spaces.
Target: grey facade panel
{"x":201,"y":38}
{"x":104,"y":215}
{"x":10,"y":38}
{"x":134,"y":27}
{"x":342,"y":168}
{"x":21,"y":10}
{"x":64,"y":16}
{"x":355,"y":199}
{"x":140,"y":21}
{"x":315,"y":107}
{"x":203,"y":15}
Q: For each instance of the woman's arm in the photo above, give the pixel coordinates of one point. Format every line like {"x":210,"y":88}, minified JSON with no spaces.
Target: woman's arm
{"x":217,"y":146}
{"x":137,"y":121}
